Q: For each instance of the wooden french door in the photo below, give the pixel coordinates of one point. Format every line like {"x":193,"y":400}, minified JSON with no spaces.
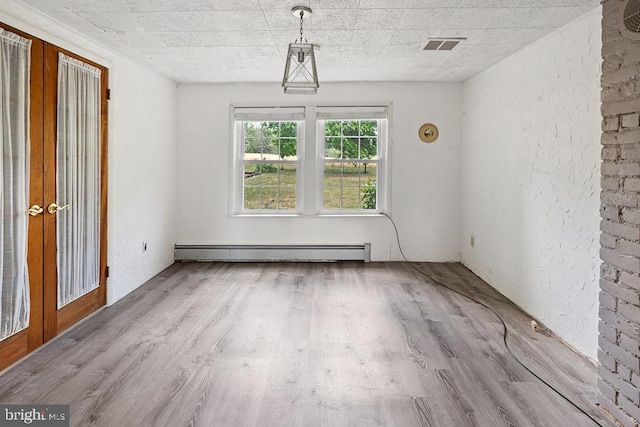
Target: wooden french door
{"x":46,"y":320}
{"x":57,"y":320}
{"x":25,"y":341}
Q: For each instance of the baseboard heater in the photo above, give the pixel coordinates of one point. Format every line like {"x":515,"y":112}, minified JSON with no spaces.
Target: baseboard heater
{"x":263,"y":253}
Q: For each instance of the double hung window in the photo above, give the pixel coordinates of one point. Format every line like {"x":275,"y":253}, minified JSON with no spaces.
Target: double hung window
{"x":349,"y":166}
{"x":268,"y":141}
{"x":351,"y":142}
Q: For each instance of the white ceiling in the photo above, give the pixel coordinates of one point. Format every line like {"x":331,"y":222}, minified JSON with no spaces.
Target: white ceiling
{"x":360,"y":40}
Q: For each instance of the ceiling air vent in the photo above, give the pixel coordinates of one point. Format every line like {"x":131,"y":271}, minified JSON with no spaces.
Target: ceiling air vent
{"x":631,"y":19}
{"x":443,"y":43}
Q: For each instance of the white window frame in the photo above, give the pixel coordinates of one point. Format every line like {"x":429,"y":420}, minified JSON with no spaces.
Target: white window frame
{"x":309,"y":170}
{"x":378,"y":113}
{"x":239,"y":115}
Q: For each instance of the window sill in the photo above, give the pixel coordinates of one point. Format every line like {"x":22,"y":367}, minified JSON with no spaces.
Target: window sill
{"x":265,"y":215}
{"x":300,"y":215}
{"x":350,"y":214}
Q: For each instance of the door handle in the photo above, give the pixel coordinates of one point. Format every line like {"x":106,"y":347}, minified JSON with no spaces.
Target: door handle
{"x":35,"y":210}
{"x":53,"y":208}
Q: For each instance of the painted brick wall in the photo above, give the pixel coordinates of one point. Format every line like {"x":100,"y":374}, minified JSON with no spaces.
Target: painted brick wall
{"x":619,"y":353}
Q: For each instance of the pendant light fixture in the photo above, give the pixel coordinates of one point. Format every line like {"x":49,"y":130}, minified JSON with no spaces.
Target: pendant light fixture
{"x":300,"y":75}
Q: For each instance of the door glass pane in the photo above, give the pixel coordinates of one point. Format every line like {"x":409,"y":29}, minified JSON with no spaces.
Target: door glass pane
{"x":78,"y":179}
{"x":14,"y":182}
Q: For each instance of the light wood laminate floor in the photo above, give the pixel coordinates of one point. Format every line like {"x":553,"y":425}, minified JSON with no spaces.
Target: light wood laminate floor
{"x":304,"y":344}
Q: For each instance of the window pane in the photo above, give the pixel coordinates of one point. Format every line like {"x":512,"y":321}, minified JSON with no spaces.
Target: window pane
{"x":287,"y":198}
{"x":333,"y":148}
{"x":252,"y":150}
{"x":288,"y":130}
{"x":252,"y":186}
{"x":331,"y":198}
{"x":333,"y":174}
{"x":269,"y":186}
{"x":288,"y":148}
{"x":368,"y":148}
{"x":252,"y":197}
{"x":333,"y":128}
{"x":368,"y":194}
{"x":255,"y":139}
{"x":280,"y":139}
{"x":338,"y":178}
{"x":369,"y":171}
{"x":368,"y":128}
{"x":350,"y":128}
{"x":351,"y":198}
{"x":350,"y":186}
{"x":269,"y":198}
{"x":352,"y":139}
{"x":350,"y":148}
{"x":250,"y":171}
{"x":369,"y":186}
{"x":270,"y":140}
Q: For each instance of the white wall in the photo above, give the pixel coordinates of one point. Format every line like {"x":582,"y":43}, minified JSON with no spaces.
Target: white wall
{"x":142,"y":176}
{"x":142,"y":154}
{"x":425,"y":179}
{"x":531,"y":179}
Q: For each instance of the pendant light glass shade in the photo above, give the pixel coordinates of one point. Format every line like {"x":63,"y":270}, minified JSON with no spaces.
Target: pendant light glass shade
{"x":300,"y":74}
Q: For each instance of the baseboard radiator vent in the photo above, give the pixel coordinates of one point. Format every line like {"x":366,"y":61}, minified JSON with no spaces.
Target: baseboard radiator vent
{"x":264,"y":253}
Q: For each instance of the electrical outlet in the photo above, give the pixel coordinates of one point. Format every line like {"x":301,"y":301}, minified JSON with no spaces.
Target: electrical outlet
{"x":144,"y":246}
{"x":472,"y":241}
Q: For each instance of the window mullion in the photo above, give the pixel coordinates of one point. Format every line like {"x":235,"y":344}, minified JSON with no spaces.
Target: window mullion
{"x":308,"y":187}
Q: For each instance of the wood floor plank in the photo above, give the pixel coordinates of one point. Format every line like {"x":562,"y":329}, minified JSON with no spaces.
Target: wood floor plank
{"x":306,"y":344}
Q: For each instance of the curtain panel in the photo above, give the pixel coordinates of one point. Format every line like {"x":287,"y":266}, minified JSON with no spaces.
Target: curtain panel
{"x":78,"y":179}
{"x":15,"y":53}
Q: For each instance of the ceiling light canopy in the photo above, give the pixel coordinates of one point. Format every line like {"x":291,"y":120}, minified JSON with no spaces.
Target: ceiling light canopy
{"x":300,"y":74}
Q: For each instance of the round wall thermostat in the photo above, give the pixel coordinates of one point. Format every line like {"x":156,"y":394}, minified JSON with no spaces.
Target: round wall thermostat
{"x":428,"y":132}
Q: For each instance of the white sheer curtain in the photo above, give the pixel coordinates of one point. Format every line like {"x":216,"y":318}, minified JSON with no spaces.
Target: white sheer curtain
{"x":15,"y":53}
{"x":78,"y":179}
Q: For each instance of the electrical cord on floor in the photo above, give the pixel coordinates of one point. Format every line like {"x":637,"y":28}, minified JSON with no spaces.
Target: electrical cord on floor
{"x":505,"y":329}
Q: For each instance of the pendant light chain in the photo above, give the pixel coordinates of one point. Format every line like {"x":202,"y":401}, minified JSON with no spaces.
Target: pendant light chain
{"x":301,"y":22}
